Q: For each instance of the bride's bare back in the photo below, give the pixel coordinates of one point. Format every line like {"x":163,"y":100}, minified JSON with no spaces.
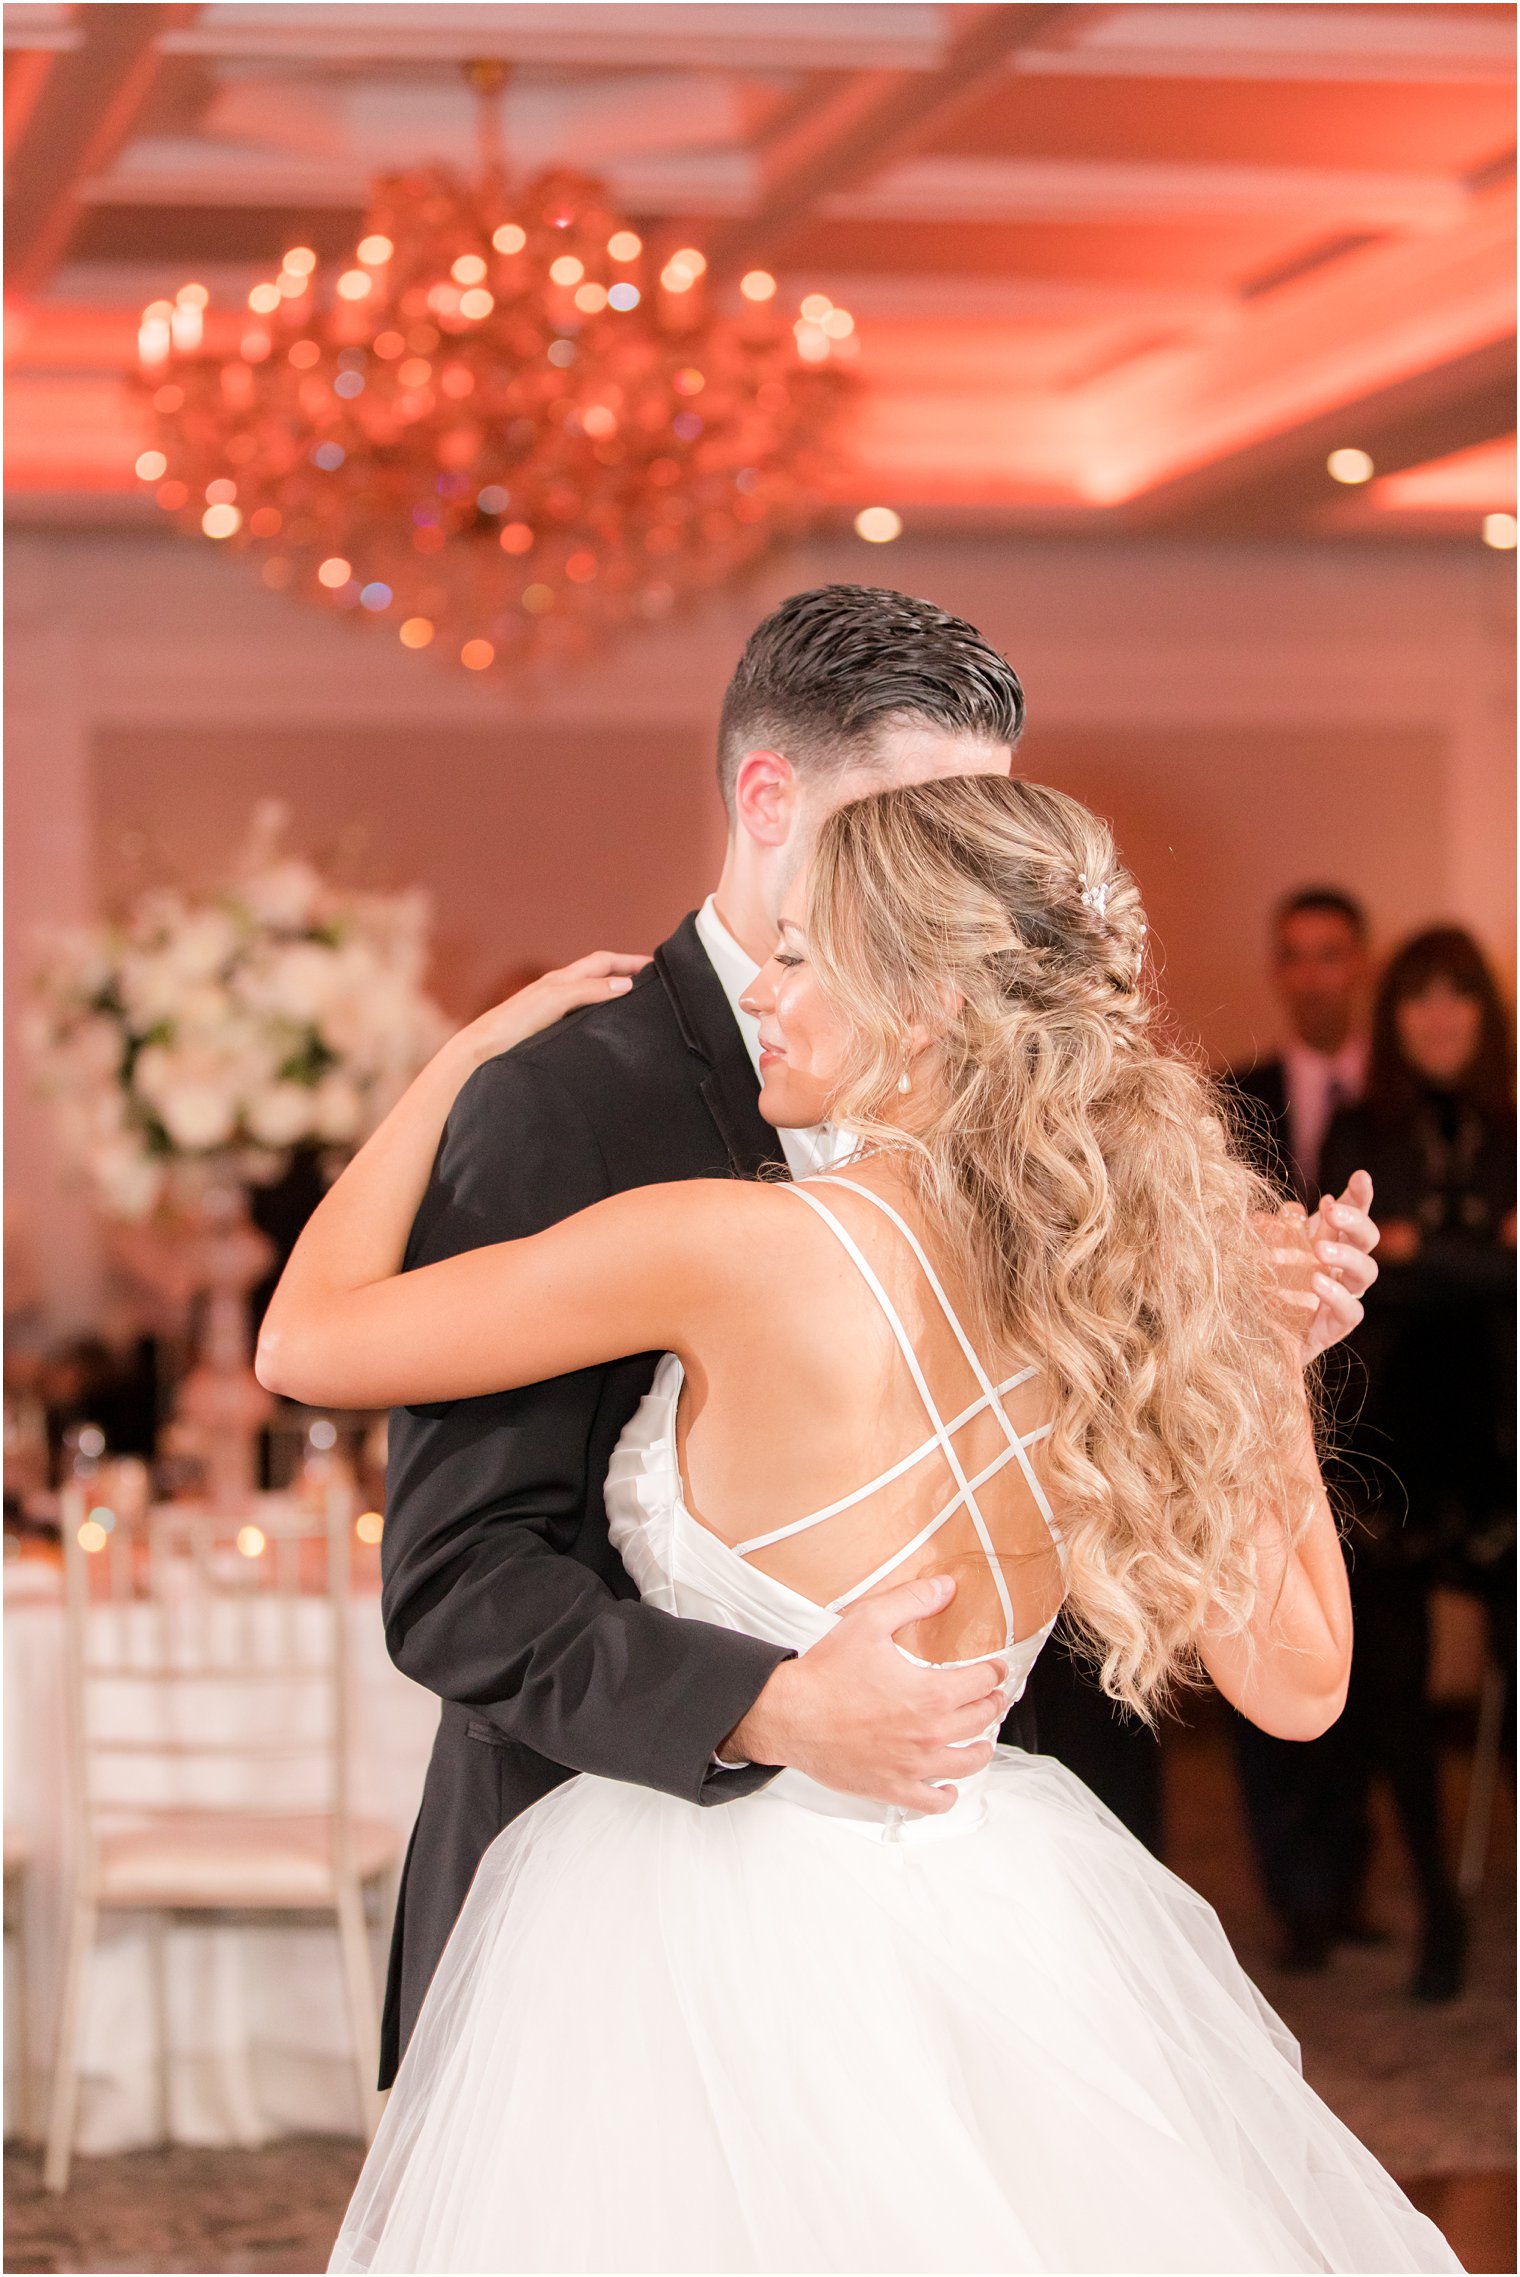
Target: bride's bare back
{"x":844,"y":1435}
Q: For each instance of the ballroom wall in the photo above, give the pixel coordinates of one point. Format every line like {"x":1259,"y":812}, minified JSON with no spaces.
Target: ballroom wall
{"x":1248,"y":715}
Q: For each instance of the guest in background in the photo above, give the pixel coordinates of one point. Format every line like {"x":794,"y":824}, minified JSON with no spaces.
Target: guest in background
{"x":1319,"y":969}
{"x":1428,"y":1467}
{"x":1422,"y":1454}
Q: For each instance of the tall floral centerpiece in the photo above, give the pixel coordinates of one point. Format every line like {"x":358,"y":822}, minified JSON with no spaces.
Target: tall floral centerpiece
{"x":190,"y":1046}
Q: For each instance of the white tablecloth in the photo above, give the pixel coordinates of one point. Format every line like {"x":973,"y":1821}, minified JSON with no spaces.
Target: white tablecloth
{"x":258,"y":2024}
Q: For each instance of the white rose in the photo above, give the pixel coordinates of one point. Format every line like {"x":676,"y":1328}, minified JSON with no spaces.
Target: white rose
{"x":197,"y":1113}
{"x":337,"y":1110}
{"x":127,"y":1180}
{"x":282,"y":1114}
{"x":201,"y":946}
{"x":153,"y":1072}
{"x":204,"y":1008}
{"x":284,"y":893}
{"x":151,"y":988}
{"x":294,"y":983}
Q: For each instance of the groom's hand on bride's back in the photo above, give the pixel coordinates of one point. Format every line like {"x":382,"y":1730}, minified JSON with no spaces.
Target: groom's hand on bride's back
{"x":857,"y":1716}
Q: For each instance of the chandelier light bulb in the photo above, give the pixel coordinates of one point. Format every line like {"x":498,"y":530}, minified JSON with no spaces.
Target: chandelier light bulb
{"x":758,"y":285}
{"x":477,"y":655}
{"x":878,"y":525}
{"x":1350,"y":466}
{"x":264,"y":299}
{"x":625,"y":245}
{"x":375,"y":251}
{"x":193,"y":296}
{"x":186,"y":326}
{"x":1499,"y":532}
{"x":624,"y":297}
{"x":355,"y":284}
{"x":476,"y":303}
{"x":299,"y":261}
{"x":836,"y":323}
{"x":567,"y":270}
{"x":676,"y":280}
{"x":591,"y":299}
{"x":509,"y":238}
{"x":152,"y":466}
{"x":816,"y":307}
{"x":221,"y":521}
{"x":221,"y":492}
{"x":469,"y":269}
{"x":334,"y":572}
{"x":416,"y":632}
{"x":290,"y":284}
{"x":687,"y":257}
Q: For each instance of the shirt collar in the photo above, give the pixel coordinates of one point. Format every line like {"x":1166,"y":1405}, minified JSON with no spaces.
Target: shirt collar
{"x":735,"y":970}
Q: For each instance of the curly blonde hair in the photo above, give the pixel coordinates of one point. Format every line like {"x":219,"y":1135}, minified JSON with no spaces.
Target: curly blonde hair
{"x":1082,"y":1175}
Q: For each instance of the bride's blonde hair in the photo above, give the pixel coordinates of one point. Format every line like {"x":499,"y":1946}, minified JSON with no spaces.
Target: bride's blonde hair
{"x":1081,"y":1174}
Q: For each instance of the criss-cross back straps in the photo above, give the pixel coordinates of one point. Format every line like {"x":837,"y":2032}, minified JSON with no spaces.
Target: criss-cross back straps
{"x":990,"y":1393}
{"x":941,"y":1432}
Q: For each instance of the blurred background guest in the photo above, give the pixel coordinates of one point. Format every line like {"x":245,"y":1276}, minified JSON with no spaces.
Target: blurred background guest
{"x":1319,"y":972}
{"x":1421,"y":1449}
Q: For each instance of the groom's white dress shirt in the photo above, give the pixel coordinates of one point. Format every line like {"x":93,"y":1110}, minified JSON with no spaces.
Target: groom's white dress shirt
{"x":807,"y":1151}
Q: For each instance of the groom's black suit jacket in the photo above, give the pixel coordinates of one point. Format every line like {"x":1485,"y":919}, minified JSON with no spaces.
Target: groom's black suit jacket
{"x":501,"y":1590}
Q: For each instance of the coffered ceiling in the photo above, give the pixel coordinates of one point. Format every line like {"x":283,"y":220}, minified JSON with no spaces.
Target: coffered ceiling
{"x":1111,"y":265}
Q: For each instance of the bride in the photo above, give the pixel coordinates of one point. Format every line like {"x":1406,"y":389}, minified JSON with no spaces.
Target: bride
{"x":1026,"y":1350}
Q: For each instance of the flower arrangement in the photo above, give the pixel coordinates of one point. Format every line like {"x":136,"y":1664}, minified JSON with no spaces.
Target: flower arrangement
{"x":199,"y":1040}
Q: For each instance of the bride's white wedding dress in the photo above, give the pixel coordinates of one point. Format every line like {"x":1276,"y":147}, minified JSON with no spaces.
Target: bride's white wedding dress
{"x":803,"y":2032}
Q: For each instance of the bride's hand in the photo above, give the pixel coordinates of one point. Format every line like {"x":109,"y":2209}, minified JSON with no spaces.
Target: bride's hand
{"x":590,"y":980}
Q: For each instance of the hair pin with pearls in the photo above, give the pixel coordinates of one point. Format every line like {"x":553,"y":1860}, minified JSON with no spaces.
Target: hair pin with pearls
{"x":1095,"y":897}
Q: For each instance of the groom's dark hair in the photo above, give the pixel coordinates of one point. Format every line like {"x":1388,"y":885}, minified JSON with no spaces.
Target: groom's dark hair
{"x":828,"y":670}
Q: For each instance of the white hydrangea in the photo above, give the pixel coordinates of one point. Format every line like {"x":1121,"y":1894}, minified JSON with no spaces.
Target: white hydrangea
{"x":227,"y":1029}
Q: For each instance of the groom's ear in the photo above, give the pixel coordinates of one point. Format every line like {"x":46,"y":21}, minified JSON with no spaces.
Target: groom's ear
{"x":766,"y":797}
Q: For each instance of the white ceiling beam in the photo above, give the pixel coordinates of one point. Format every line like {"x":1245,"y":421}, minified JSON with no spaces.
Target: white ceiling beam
{"x":1368,"y":42}
{"x":1142,"y":191}
{"x":85,"y":110}
{"x":1394,"y":43}
{"x":823,"y":35}
{"x":729,"y":181}
{"x":867,"y":125}
{"x":1373,"y":320}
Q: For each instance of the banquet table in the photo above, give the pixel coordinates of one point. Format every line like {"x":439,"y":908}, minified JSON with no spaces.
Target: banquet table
{"x":258,"y":2029}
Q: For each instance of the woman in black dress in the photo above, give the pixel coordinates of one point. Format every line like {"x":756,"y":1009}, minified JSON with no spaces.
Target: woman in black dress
{"x":1424,"y":1401}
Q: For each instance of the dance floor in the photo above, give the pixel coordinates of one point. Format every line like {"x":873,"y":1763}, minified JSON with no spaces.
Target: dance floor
{"x":1430,"y":2090}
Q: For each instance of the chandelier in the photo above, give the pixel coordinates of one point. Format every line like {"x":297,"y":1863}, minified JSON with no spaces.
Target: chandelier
{"x":507,"y":424}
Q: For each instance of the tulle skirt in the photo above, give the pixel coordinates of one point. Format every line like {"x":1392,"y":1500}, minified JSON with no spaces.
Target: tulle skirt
{"x":757,"y":2038}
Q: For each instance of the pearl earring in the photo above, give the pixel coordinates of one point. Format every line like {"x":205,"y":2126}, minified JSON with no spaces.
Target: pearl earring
{"x":905,"y":1081}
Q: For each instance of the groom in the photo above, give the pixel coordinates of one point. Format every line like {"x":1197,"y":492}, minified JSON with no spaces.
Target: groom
{"x":502,"y":1592}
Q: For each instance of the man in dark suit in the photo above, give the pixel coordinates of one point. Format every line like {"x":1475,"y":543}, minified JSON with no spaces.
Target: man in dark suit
{"x":1300,"y":1825}
{"x":502,"y":1592}
{"x":1319,"y":968}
